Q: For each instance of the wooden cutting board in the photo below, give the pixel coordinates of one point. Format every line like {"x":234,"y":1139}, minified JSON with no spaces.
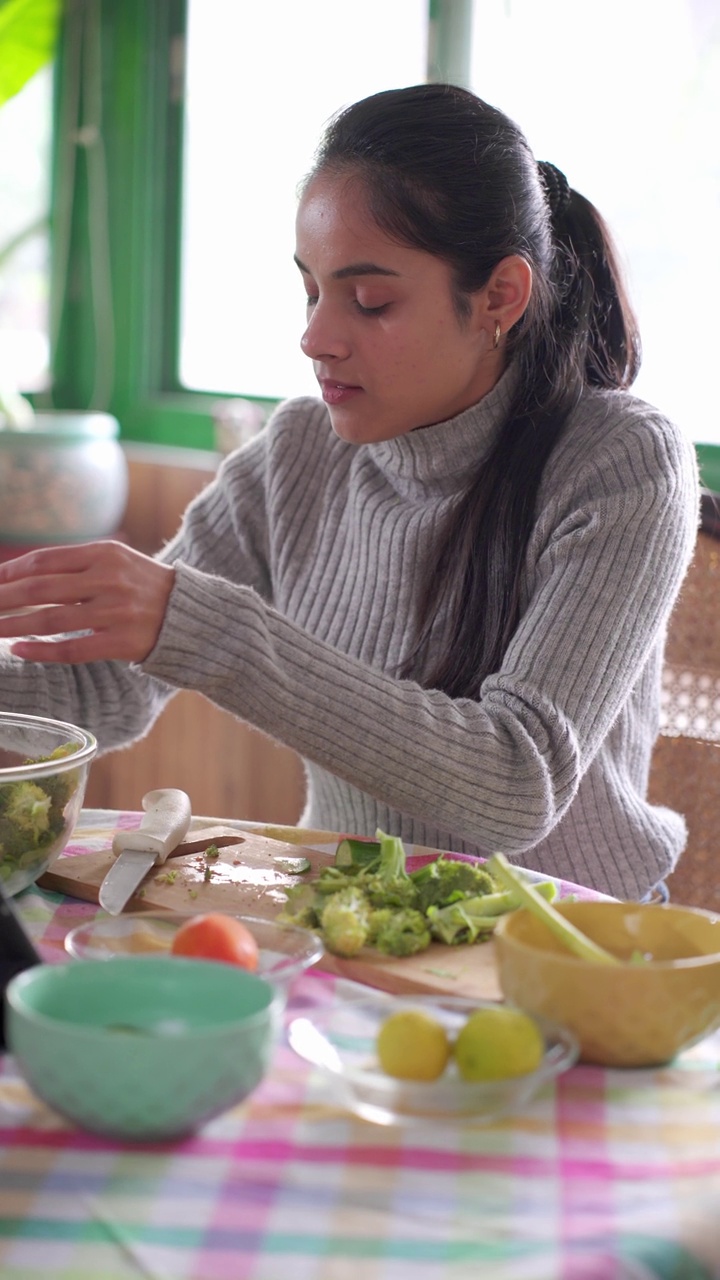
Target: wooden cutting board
{"x":249,"y":878}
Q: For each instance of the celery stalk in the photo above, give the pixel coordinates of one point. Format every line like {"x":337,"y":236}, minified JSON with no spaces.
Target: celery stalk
{"x":573,"y":938}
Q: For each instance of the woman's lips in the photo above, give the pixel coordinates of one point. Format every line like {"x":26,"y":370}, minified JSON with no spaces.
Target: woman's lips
{"x":337,"y":392}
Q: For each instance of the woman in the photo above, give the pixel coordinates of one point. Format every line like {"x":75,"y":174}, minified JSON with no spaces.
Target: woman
{"x":446,"y":584}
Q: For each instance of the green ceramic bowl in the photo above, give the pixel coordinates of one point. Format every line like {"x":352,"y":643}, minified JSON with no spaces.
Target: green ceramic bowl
{"x":142,"y":1048}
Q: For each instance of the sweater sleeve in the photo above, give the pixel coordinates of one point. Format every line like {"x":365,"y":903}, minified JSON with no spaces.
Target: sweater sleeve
{"x":117,"y":701}
{"x":611,"y":544}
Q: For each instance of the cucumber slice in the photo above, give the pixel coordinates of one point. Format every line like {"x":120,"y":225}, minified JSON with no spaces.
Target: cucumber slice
{"x":357,"y":853}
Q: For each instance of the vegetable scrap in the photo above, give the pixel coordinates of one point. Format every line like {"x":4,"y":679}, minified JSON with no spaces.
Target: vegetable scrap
{"x":368,"y":898}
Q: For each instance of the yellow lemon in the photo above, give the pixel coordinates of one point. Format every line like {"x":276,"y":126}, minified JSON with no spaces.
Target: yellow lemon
{"x":497,"y":1043}
{"x":412,"y":1045}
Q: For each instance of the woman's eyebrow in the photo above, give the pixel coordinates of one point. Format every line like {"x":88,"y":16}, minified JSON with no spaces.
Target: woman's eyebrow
{"x":354,"y":269}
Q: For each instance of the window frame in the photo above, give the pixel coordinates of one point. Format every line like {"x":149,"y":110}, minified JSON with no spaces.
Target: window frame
{"x":142,"y":87}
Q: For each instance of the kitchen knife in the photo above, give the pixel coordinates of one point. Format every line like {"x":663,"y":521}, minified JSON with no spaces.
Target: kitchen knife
{"x":164,"y":824}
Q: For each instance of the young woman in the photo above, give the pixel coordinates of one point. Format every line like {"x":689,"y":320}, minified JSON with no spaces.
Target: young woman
{"x":445,"y":583}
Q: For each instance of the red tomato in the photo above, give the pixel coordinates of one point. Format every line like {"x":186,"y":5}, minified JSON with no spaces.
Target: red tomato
{"x":216,"y":937}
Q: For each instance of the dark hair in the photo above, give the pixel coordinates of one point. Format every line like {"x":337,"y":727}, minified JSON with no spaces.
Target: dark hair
{"x":446,"y":173}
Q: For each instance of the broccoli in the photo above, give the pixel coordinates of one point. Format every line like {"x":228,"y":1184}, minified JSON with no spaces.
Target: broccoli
{"x":399,"y":933}
{"x":389,"y":884}
{"x":28,"y":809}
{"x":447,"y":880}
{"x":388,"y":893}
{"x":303,"y":906}
{"x":345,"y":922}
{"x":32,"y":817}
{"x":367,"y":898}
{"x":470,"y":919}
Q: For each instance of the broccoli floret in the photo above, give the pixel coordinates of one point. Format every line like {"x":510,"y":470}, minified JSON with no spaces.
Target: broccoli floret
{"x":345,"y":922}
{"x":399,"y":933}
{"x":460,"y":922}
{"x":448,"y":880}
{"x":303,"y":906}
{"x":473,"y":919}
{"x":388,"y":893}
{"x":28,"y":809}
{"x":389,"y":885}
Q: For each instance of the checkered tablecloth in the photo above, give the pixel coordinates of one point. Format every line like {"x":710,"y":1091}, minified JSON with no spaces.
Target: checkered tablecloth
{"x":606,"y":1175}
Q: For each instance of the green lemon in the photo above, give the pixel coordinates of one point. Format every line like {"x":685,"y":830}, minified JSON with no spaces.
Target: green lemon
{"x":495,"y":1044}
{"x":412,"y":1045}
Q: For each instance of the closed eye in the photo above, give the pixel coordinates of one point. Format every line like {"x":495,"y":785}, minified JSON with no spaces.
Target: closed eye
{"x":371,"y":311}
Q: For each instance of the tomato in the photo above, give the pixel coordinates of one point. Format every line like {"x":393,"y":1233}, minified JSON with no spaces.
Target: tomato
{"x":216,"y":937}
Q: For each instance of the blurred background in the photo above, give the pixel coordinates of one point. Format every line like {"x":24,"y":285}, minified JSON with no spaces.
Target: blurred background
{"x":152,"y":149}
{"x":151,"y":153}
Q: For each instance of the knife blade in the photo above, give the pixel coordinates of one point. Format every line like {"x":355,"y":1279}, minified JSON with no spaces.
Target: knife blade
{"x":165,"y":822}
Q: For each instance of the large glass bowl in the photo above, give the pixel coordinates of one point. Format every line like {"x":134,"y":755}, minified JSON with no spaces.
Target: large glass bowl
{"x":40,"y":798}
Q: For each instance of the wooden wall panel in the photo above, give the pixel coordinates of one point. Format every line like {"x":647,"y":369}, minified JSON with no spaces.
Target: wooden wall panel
{"x":228,"y":769}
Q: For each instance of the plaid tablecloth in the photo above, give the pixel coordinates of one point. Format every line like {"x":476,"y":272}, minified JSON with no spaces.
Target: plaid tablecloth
{"x":607,"y":1175}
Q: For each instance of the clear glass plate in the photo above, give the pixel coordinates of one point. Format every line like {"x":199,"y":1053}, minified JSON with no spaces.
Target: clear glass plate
{"x":285,"y":949}
{"x":340,"y":1041}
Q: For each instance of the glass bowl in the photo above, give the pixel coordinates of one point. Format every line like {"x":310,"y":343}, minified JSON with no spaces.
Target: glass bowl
{"x":285,"y":949}
{"x":340,"y":1041}
{"x":40,"y":799}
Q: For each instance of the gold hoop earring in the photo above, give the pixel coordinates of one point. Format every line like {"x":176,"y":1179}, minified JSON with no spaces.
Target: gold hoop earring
{"x":496,"y":336}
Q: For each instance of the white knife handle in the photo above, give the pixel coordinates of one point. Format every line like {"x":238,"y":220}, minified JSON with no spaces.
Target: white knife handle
{"x":164,"y":825}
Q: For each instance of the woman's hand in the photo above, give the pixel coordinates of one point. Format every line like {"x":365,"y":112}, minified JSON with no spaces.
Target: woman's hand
{"x":115,"y":595}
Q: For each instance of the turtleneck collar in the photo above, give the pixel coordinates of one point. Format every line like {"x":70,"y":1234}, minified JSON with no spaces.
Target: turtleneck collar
{"x":438,"y":459}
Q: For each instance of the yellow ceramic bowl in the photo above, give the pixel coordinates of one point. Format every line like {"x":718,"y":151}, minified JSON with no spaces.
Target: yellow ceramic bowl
{"x":628,"y":1015}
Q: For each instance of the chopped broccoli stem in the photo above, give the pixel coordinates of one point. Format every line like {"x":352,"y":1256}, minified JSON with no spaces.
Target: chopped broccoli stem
{"x":574,"y":939}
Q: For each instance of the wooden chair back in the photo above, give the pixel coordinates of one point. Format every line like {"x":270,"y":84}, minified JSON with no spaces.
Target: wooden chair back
{"x":685,"y":768}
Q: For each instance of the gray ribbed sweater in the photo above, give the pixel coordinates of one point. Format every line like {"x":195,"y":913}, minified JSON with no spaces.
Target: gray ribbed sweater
{"x":293,"y":604}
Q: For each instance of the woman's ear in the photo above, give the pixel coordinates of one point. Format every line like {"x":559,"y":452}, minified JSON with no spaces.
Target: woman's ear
{"x":507,"y":292}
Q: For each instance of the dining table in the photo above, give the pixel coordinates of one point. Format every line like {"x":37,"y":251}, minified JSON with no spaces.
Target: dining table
{"x":605,"y":1174}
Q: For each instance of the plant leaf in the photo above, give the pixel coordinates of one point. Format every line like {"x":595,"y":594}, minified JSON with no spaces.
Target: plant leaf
{"x":28,"y":40}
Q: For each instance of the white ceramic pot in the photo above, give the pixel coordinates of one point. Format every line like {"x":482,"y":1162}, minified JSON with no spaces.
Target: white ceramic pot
{"x":64,"y":478}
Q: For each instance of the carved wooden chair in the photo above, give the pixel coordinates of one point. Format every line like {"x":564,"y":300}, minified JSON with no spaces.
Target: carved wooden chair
{"x":685,"y":768}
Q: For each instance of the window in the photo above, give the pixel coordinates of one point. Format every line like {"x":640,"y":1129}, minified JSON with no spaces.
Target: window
{"x":628,"y":105}
{"x":255,"y":109}
{"x":625,"y":99}
{"x":25,"y":128}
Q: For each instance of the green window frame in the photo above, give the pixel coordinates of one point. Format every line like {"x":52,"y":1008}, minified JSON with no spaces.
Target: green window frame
{"x":116,"y":210}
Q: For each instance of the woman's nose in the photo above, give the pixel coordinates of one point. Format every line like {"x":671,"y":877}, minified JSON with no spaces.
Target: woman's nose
{"x":322,"y":338}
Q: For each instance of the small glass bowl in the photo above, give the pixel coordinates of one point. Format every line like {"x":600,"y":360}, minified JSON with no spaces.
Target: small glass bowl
{"x":285,"y":949}
{"x":340,"y":1041}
